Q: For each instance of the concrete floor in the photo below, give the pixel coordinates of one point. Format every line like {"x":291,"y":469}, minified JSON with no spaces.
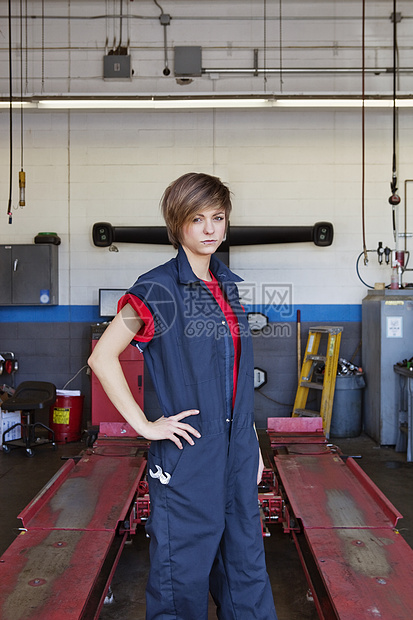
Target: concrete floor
{"x":22,"y":477}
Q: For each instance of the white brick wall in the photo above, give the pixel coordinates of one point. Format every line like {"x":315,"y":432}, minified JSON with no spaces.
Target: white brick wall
{"x":302,"y":169}
{"x":284,"y":167}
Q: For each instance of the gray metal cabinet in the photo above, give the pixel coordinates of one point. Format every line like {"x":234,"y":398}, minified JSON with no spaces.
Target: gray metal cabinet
{"x":29,"y":275}
{"x":387,"y":336}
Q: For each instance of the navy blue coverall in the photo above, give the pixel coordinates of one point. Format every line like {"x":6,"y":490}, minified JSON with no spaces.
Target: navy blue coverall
{"x":204,"y":526}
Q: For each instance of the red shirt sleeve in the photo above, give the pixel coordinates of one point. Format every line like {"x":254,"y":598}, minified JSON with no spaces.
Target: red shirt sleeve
{"x":146,"y":333}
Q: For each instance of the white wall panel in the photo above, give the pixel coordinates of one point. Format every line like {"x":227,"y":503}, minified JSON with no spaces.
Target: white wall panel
{"x":66,"y":54}
{"x":284,"y":166}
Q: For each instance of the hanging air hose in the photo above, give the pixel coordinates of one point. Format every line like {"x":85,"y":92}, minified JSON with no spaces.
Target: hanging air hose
{"x":394,"y":199}
{"x":399,"y":258}
{"x":363,"y":133}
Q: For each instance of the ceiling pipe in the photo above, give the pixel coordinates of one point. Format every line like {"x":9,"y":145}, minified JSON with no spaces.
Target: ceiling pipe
{"x":256,"y":71}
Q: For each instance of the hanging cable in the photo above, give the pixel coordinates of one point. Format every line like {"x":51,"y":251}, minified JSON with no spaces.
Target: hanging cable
{"x":363,"y":133}
{"x":265,"y":46}
{"x":159,"y":6}
{"x":27,"y":48}
{"x":114,"y":25}
{"x":42,"y":46}
{"x":69,"y":38}
{"x":394,"y":199}
{"x":22,"y":174}
{"x":393,"y":184}
{"x":120,"y":25}
{"x":128,"y":23}
{"x":9,"y":205}
{"x":358,"y":269}
{"x":281,"y":47}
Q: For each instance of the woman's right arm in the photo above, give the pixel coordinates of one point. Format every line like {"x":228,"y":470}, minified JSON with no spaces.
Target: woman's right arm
{"x":104,"y":361}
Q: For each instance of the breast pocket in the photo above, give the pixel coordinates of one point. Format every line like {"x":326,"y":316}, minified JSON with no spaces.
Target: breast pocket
{"x":199,"y":360}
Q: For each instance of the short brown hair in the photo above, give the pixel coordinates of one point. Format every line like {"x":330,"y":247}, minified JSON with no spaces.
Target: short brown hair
{"x":188,"y":195}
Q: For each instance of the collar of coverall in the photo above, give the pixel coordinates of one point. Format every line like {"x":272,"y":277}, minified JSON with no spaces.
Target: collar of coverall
{"x":222,"y":273}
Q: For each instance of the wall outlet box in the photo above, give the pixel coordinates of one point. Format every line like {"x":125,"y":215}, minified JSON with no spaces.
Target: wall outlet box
{"x":117,"y":67}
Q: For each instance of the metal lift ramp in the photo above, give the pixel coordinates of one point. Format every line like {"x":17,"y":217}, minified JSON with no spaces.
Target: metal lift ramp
{"x":313,"y":357}
{"x":60,"y":566}
{"x":357,"y":564}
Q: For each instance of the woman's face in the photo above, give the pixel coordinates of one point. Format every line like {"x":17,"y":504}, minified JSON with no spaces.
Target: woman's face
{"x":205,"y":232}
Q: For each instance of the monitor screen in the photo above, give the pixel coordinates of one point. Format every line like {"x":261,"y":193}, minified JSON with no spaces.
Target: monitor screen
{"x":108,"y":301}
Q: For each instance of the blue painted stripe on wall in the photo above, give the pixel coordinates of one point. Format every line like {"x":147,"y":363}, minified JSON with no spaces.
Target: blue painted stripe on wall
{"x":310,"y":312}
{"x":50,"y":314}
{"x":90,"y":314}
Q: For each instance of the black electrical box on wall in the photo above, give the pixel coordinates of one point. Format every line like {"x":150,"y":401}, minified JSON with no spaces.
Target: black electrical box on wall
{"x":188,"y":61}
{"x":117,"y":67}
{"x":29,"y":275}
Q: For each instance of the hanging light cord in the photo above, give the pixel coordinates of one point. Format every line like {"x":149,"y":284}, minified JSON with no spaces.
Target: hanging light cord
{"x":43,"y":35}
{"x":21,"y":84}
{"x":27,"y":47}
{"x":9,"y":206}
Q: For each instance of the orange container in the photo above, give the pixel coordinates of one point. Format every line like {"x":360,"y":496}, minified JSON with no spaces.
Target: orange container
{"x":66,"y":418}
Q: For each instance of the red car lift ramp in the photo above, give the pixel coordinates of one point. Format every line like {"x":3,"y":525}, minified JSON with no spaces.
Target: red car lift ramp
{"x":60,"y":567}
{"x":357,"y":564}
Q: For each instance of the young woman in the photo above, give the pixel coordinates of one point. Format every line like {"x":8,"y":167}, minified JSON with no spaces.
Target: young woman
{"x":204,"y":460}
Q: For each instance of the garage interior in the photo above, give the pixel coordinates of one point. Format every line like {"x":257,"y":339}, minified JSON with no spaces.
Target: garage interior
{"x":304,"y":109}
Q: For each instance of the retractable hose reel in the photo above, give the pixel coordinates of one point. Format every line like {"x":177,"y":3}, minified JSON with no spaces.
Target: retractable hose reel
{"x":397,"y":258}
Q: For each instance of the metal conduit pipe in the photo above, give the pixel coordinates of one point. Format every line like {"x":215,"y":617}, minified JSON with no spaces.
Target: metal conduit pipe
{"x":405,"y":213}
{"x":254,"y":71}
{"x":234,"y":18}
{"x":295,"y":70}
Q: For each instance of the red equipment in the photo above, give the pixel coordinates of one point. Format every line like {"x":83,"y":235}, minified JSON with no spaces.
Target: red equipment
{"x":103,"y":412}
{"x":62,"y":563}
{"x":357,"y":565}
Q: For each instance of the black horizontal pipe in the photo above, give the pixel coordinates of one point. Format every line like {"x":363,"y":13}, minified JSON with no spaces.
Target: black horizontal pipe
{"x":104,"y":234}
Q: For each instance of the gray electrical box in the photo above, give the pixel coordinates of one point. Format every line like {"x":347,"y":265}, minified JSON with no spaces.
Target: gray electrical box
{"x":387,"y":336}
{"x":117,"y":67}
{"x":188,"y":61}
{"x":29,"y":275}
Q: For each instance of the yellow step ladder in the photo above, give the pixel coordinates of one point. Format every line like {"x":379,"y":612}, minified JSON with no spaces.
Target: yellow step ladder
{"x":312,"y":358}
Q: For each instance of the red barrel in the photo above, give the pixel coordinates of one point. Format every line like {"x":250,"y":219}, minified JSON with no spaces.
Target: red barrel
{"x":66,"y":418}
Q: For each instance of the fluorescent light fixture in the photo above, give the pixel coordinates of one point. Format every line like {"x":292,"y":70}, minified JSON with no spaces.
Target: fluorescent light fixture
{"x":151,"y":104}
{"x":342,"y":103}
{"x":239,"y":101}
{"x":17,"y":104}
{"x":197,"y":104}
{"x":319,"y":103}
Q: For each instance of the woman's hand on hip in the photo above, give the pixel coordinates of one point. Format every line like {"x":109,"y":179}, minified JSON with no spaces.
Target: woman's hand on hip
{"x":172,"y":428}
